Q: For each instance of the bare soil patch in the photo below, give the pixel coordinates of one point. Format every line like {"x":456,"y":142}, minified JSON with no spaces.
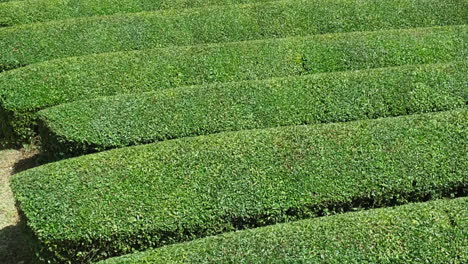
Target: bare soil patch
{"x":14,"y":244}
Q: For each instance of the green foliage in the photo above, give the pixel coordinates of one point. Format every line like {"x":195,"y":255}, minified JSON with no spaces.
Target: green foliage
{"x":115,"y":202}
{"x":264,"y":85}
{"x":432,"y":232}
{"x":32,"y":11}
{"x":26,"y":90}
{"x":110,"y":122}
{"x":26,"y":44}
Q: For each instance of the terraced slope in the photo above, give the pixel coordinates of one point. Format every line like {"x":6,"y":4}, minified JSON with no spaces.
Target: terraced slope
{"x":111,"y":122}
{"x":114,"y":202}
{"x":25,"y":91}
{"x":432,"y":232}
{"x":27,"y":44}
{"x":32,"y":11}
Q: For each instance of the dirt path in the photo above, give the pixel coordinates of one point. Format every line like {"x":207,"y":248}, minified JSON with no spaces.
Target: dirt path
{"x":13,"y":246}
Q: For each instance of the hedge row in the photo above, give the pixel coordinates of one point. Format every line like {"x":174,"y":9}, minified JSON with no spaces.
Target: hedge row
{"x":24,"y":12}
{"x":26,"y":44}
{"x":25,"y":91}
{"x":432,"y":232}
{"x":147,"y":196}
{"x":110,"y":122}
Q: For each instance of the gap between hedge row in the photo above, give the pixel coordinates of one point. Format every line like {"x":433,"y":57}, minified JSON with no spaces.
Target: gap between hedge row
{"x":432,"y":232}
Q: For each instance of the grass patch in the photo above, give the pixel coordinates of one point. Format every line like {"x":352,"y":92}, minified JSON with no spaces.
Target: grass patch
{"x":27,"y":44}
{"x":25,"y":91}
{"x":148,"y":196}
{"x":25,"y":12}
{"x":432,"y":232}
{"x":111,"y":122}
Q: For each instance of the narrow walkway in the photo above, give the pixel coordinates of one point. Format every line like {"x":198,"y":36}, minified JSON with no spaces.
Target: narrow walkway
{"x":13,"y":246}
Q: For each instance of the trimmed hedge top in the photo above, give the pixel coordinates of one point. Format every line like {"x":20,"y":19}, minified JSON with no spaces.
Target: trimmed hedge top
{"x":24,"y":12}
{"x":146,"y":196}
{"x":27,"y":90}
{"x":432,"y":232}
{"x":111,"y":122}
{"x":26,"y":44}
